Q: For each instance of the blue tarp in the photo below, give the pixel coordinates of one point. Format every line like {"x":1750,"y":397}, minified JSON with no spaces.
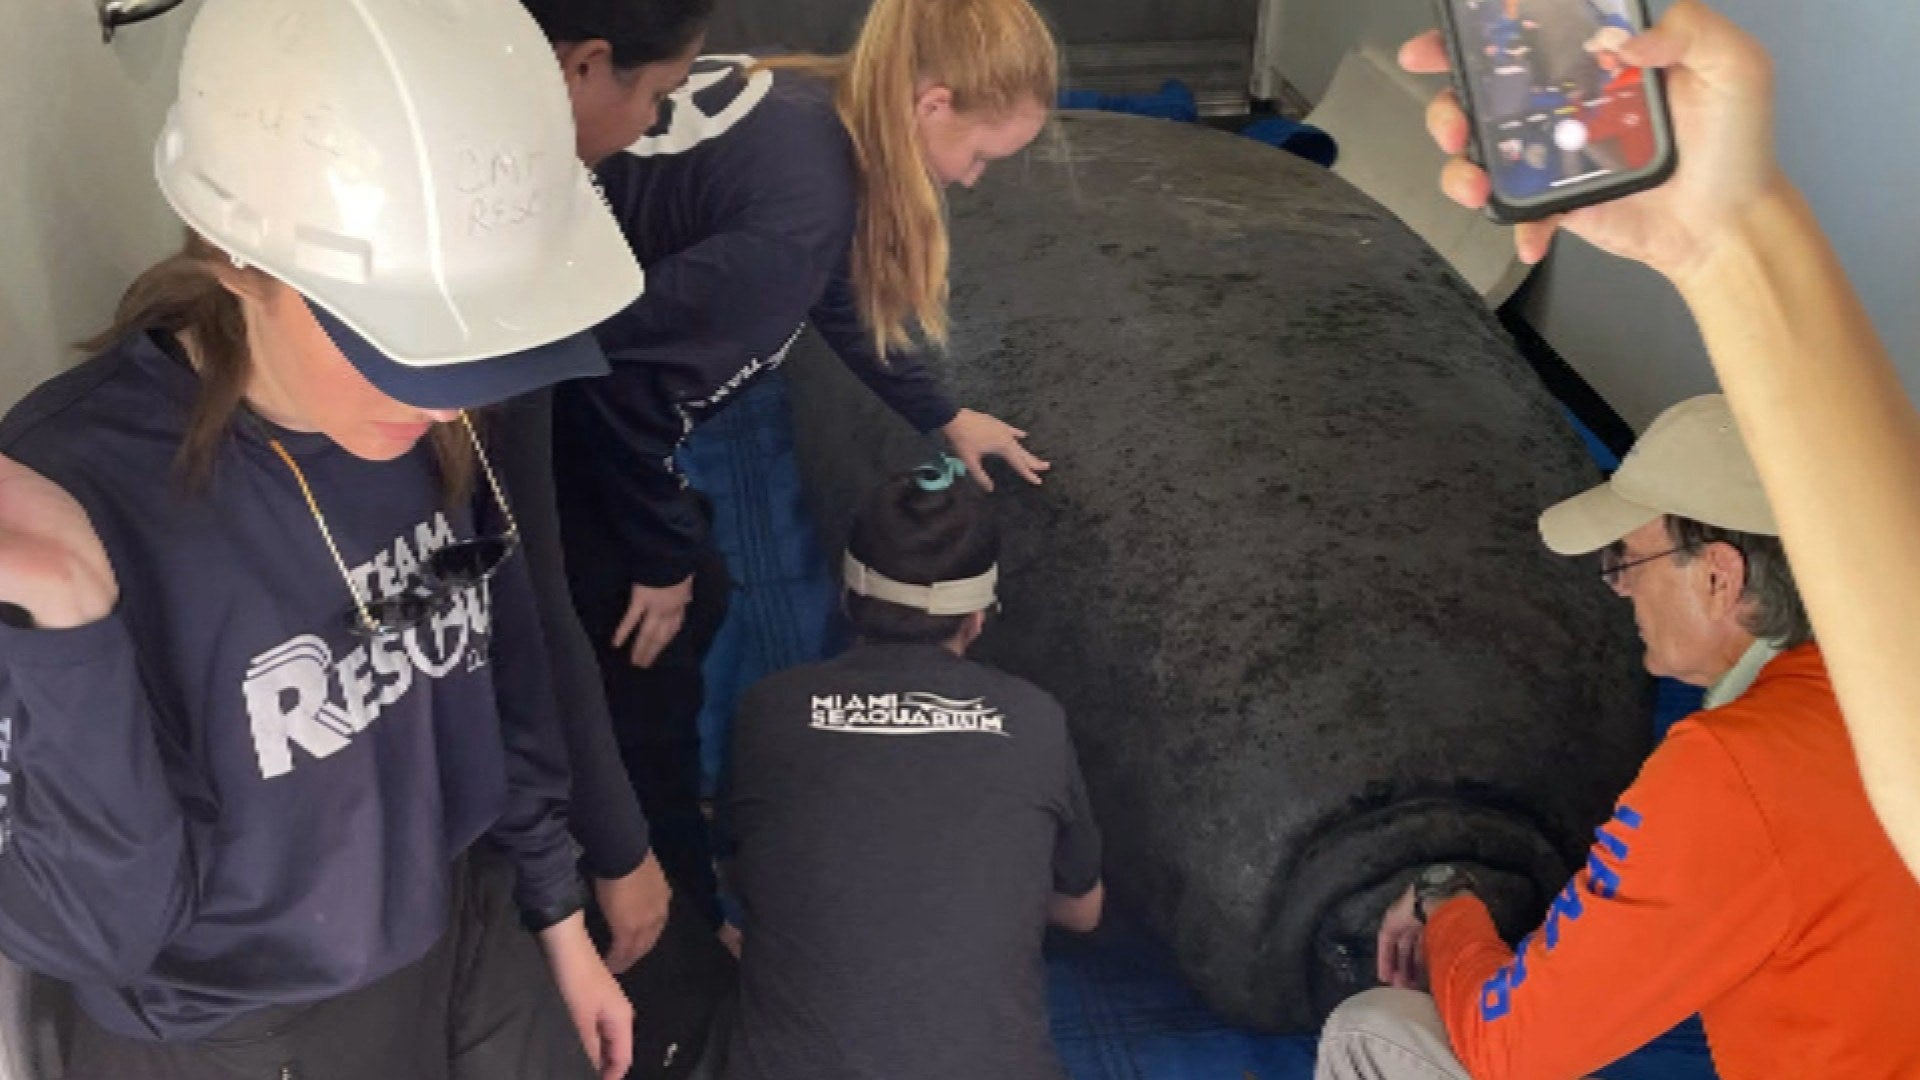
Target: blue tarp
{"x":1175,"y":101}
{"x":786,"y":606}
{"x":1295,"y":137}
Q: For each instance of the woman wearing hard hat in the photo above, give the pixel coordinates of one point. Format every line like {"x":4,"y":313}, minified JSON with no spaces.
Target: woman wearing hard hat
{"x":770,"y":196}
{"x":282,"y":781}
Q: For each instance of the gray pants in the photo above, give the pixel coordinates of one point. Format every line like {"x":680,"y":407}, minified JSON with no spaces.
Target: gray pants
{"x":480,"y":1005}
{"x":1387,"y":1034}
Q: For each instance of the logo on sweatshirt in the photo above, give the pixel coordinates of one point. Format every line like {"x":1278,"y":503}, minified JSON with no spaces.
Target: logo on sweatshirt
{"x":6,"y":783}
{"x":300,"y":694}
{"x":718,"y":95}
{"x":906,"y":714}
{"x":1602,"y":881}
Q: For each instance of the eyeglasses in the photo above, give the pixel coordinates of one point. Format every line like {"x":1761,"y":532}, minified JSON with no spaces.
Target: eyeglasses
{"x":1613,"y":570}
{"x":444,"y":574}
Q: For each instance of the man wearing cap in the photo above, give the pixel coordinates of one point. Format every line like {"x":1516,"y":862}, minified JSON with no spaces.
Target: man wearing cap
{"x":1743,"y":875}
{"x":904,"y":823}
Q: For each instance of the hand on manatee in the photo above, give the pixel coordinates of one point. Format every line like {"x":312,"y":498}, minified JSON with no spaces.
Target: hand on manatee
{"x":1401,"y":954}
{"x":976,"y":436}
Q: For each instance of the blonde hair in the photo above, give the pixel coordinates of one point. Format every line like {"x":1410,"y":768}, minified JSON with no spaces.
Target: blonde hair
{"x":183,"y":295}
{"x":994,"y":56}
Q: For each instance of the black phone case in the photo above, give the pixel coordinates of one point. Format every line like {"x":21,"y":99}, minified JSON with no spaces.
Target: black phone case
{"x":1506,"y":213}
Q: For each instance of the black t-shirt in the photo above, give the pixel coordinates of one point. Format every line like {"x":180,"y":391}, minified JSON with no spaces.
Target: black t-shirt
{"x":899,"y":818}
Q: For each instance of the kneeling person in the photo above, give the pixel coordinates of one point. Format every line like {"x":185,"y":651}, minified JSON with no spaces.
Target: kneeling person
{"x":1743,"y":876}
{"x":904,"y":824}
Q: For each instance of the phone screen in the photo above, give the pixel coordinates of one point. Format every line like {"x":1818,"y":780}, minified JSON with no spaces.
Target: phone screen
{"x":1557,"y":112}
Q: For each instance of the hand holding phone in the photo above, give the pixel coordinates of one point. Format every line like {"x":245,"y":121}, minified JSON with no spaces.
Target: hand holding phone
{"x":1558,"y":120}
{"x":1720,"y":88}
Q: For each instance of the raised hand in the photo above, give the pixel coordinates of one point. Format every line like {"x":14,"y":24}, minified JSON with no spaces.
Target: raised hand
{"x":1720,"y":89}
{"x":51,"y":561}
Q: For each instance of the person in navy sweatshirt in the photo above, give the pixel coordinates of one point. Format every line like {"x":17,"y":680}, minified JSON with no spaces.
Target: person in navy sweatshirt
{"x":619,"y":59}
{"x":771,"y":195}
{"x":282,"y":791}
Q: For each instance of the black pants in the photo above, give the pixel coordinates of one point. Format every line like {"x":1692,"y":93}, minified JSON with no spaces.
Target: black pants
{"x":676,"y":991}
{"x":656,"y":712}
{"x":481,"y":1005}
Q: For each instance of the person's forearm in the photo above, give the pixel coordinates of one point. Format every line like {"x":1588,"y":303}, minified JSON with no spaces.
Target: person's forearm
{"x":615,"y":443}
{"x":1837,"y":444}
{"x":1080,"y":914}
{"x":98,"y":872}
{"x":567,"y":945}
{"x":603,"y":811}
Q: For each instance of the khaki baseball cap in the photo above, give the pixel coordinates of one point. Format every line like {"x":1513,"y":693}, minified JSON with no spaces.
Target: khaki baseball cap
{"x":1691,"y":463}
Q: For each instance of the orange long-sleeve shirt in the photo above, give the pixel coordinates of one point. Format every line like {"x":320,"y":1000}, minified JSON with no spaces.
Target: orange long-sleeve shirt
{"x":1744,"y":877}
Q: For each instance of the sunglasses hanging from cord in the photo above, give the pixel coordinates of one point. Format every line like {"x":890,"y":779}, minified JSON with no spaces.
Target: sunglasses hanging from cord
{"x":446,"y":573}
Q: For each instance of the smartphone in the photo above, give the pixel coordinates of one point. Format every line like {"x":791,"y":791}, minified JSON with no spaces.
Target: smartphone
{"x":1558,"y":121}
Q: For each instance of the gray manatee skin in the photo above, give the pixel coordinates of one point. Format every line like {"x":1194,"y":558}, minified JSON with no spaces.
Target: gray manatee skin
{"x":1285,"y":575}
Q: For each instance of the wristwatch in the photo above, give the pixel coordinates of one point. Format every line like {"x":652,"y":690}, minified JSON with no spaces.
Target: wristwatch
{"x":1436,"y":885}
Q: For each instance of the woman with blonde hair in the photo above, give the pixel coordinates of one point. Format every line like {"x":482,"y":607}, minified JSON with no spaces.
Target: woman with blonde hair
{"x":771,"y":195}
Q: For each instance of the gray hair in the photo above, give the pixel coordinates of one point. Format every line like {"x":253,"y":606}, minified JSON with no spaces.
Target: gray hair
{"x":1778,"y":613}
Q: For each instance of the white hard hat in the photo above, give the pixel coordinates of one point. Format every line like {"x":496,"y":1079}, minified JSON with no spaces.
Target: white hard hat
{"x":408,"y":166}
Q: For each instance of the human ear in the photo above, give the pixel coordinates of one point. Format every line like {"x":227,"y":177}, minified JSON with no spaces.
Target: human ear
{"x":578,"y":59}
{"x":1727,"y":569}
{"x":934,"y":99}
{"x":245,"y":283}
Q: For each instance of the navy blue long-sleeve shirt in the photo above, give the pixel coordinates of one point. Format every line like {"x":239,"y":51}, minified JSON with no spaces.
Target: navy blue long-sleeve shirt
{"x":742,"y":207}
{"x":603,"y":809}
{"x":219,"y":797}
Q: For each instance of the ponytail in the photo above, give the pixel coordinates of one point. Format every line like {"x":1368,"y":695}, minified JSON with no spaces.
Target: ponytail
{"x":920,"y":534}
{"x":995,"y":56}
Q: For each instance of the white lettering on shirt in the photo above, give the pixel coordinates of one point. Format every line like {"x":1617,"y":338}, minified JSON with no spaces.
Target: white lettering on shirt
{"x":299,"y":694}
{"x":906,"y":714}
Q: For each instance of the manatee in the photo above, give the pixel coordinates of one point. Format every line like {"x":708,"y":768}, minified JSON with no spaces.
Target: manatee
{"x":1285,"y":576}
